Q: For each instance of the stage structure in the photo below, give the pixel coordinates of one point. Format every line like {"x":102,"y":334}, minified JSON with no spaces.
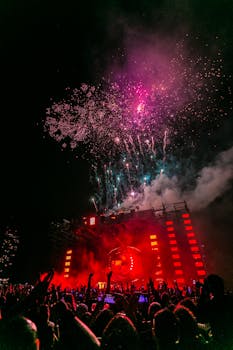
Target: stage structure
{"x":136,"y":245}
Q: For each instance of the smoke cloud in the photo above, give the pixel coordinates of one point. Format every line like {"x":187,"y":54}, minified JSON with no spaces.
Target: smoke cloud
{"x":211,"y":182}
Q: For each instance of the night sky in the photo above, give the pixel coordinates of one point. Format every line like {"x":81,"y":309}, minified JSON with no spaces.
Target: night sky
{"x":47,"y":46}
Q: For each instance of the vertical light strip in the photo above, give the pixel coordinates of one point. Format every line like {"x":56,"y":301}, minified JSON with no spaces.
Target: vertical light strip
{"x":68,"y":259}
{"x":174,"y":252}
{"x":194,"y":248}
{"x":155,"y":248}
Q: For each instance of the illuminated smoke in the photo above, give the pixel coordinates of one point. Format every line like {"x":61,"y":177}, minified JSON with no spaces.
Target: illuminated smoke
{"x":212,"y":181}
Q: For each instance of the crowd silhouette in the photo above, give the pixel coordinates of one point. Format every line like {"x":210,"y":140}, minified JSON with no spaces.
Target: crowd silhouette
{"x":47,"y":317}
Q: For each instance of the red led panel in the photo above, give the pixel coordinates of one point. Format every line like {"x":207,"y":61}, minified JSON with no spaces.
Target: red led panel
{"x":171,"y":235}
{"x":170,"y":229}
{"x":194,"y":249}
{"x":188,"y":228}
{"x":176,"y":263}
{"x":196,"y":256}
{"x":201,"y":272}
{"x":187,"y":222}
{"x":173,"y":241}
{"x":169,"y":223}
{"x":175,"y":256}
{"x":192,"y":241}
{"x":174,"y":249}
{"x":179,"y":272}
{"x":190,"y":234}
{"x":198,"y":263}
{"x":186,"y":215}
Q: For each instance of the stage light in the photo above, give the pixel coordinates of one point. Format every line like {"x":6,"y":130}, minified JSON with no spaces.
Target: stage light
{"x":173,"y":241}
{"x":185,"y":215}
{"x":199,"y":264}
{"x":192,"y":241}
{"x":170,"y":229}
{"x":187,"y":222}
{"x":188,"y":228}
{"x":190,"y":234}
{"x":175,"y":256}
{"x":201,"y":272}
{"x":174,"y":249}
{"x":168,"y":223}
{"x":194,"y":249}
{"x":171,"y":235}
{"x":179,"y":272}
{"x":196,"y":256}
{"x":176,"y":263}
{"x":92,"y":221}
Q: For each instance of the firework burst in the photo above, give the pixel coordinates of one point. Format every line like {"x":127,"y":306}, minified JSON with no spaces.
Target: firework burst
{"x":130,"y":129}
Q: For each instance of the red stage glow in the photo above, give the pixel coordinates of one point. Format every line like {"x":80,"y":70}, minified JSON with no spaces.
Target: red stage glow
{"x":180,"y":280}
{"x":135,"y":247}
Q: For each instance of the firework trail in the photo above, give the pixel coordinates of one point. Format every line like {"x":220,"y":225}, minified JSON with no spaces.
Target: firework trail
{"x":131,"y":130}
{"x":94,"y":203}
{"x":164,"y":145}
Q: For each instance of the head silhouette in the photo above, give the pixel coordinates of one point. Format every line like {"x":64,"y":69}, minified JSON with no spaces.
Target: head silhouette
{"x":18,"y":333}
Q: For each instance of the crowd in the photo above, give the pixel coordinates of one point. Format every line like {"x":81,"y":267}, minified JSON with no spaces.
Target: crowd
{"x":45,"y":317}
